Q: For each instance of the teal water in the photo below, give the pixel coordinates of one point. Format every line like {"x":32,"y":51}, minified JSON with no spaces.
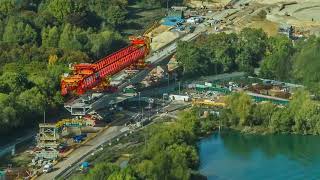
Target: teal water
{"x":235,"y":156}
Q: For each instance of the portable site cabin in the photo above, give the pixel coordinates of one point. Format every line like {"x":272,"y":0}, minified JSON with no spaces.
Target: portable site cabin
{"x":179,"y":98}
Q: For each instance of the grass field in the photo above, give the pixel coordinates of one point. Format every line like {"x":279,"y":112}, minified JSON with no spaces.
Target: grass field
{"x":269,"y":27}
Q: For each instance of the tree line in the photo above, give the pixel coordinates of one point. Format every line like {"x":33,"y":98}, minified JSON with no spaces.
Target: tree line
{"x":301,"y":116}
{"x":277,"y":57}
{"x":218,"y":53}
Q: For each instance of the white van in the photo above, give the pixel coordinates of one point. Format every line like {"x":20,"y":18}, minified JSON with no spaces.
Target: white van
{"x":47,"y":168}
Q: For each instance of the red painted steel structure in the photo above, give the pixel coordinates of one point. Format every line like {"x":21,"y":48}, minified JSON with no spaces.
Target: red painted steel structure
{"x":88,"y":76}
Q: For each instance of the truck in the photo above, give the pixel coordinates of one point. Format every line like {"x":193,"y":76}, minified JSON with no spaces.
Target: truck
{"x":47,"y":168}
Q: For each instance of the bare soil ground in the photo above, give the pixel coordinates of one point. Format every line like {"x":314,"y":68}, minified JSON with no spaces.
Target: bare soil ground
{"x":162,"y":39}
{"x":209,"y":3}
{"x":304,"y":15}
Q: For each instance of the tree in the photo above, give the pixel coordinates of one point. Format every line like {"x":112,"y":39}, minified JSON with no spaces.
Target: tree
{"x":63,"y":8}
{"x":252,"y":47}
{"x":278,"y":63}
{"x":191,"y":58}
{"x":50,"y":37}
{"x":15,"y":82}
{"x":262,"y":113}
{"x":102,"y":171}
{"x":9,"y":116}
{"x":17,"y":31}
{"x":2,"y":27}
{"x":115,"y":15}
{"x":104,"y":42}
{"x":306,"y":65}
{"x":45,"y":19}
{"x":189,"y":121}
{"x":145,"y":169}
{"x":281,"y":121}
{"x":184,"y":154}
{"x":304,"y":112}
{"x":240,"y":105}
{"x":7,"y":6}
{"x":68,"y":39}
{"x":33,"y":100}
{"x":125,"y":174}
{"x":222,"y":51}
{"x":74,"y":56}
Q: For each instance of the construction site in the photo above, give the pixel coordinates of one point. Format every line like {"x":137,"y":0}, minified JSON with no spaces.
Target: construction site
{"x":270,"y":15}
{"x":137,"y":81}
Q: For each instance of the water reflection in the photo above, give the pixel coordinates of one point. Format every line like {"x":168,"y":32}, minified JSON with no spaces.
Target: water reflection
{"x":231,"y":155}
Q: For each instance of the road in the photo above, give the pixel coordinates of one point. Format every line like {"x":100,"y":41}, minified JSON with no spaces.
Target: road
{"x":114,"y":131}
{"x":6,"y":149}
{"x":77,"y":107}
{"x":167,"y":110}
{"x":77,"y":155}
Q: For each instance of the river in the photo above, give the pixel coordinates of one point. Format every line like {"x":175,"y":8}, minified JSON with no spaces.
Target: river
{"x":233,"y":156}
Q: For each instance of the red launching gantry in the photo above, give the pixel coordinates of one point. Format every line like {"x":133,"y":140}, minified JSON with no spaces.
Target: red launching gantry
{"x":87,"y":76}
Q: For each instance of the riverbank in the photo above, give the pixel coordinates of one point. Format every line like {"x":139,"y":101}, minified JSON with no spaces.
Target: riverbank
{"x":172,"y":146}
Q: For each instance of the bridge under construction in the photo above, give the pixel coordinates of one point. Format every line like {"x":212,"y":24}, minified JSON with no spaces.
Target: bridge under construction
{"x":88,"y":78}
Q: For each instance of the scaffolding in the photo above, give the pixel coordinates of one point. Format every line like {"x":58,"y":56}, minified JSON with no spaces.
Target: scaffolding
{"x":48,"y":136}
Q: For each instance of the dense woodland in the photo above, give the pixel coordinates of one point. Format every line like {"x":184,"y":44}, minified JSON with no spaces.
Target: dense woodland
{"x":277,"y":57}
{"x":38,"y":41}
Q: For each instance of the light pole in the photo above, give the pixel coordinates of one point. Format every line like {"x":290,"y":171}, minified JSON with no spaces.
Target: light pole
{"x":168,"y":80}
{"x":139,"y":101}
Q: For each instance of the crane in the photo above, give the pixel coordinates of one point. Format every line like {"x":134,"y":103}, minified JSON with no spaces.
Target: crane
{"x":86,"y":76}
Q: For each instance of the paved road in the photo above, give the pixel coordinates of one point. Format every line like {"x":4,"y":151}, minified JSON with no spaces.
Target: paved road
{"x":77,"y":155}
{"x":6,"y":149}
{"x":155,"y":59}
{"x":114,"y":131}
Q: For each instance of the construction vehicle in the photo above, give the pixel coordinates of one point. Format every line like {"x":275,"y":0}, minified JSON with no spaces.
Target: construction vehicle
{"x":87,"y":76}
